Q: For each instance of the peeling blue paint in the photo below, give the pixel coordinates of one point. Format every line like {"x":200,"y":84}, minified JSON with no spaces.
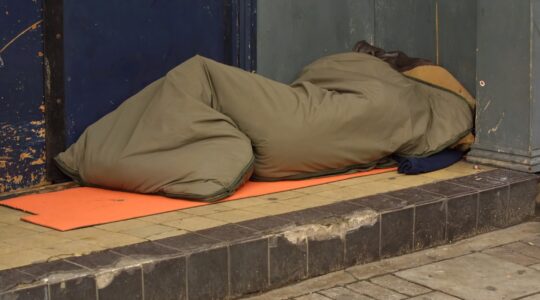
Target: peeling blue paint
{"x":22,"y":155}
{"x":22,"y":133}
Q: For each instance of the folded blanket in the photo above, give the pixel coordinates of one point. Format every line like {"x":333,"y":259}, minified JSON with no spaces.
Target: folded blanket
{"x":417,"y":165}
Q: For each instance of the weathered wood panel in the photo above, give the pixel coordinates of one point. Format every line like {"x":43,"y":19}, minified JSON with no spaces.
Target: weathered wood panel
{"x":457,"y":40}
{"x":293,"y":33}
{"x":507,"y":65}
{"x":406,"y":25}
{"x":503,"y":65}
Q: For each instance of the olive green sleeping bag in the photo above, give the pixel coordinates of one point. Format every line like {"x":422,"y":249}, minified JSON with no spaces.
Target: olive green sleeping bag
{"x":205,"y":128}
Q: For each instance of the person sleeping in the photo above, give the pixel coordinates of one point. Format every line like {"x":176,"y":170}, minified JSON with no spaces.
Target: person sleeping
{"x":205,"y":128}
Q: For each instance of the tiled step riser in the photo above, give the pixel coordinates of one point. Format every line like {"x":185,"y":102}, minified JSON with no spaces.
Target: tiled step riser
{"x":254,"y":256}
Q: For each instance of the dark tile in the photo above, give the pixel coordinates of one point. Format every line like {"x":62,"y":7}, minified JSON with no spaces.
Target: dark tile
{"x":288,"y":260}
{"x":11,"y":278}
{"x":165,"y":279}
{"x":266,"y":224}
{"x":208,"y":274}
{"x":521,"y":202}
{"x":42,"y":270}
{"x":97,"y":260}
{"x":249,"y":267}
{"x":325,"y":255}
{"x":430,"y":225}
{"x":188,"y":242}
{"x":462,"y":212}
{"x":340,"y":209}
{"x":305,"y":216}
{"x":229,"y":233}
{"x":396,"y":232}
{"x":33,"y":293}
{"x":123,"y":284}
{"x":362,"y":244}
{"x":82,"y":288}
{"x":447,"y":189}
{"x":146,"y":249}
{"x":414,"y":196}
{"x":509,"y":176}
{"x":478,"y":181}
{"x":380,"y":203}
{"x":493,"y":208}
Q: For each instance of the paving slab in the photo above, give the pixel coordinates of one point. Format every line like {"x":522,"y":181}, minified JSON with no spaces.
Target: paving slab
{"x":390,"y":265}
{"x":313,"y":296}
{"x":400,"y":285}
{"x":534,"y":240}
{"x":434,"y":296}
{"x":526,"y":249}
{"x":532,"y":297}
{"x":519,"y":253}
{"x":375,"y":291}
{"x":341,"y":293}
{"x":339,"y":278}
{"x":501,"y":237}
{"x":477,"y":276}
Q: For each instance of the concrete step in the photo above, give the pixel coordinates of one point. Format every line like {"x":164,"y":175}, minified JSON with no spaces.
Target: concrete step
{"x":249,"y":257}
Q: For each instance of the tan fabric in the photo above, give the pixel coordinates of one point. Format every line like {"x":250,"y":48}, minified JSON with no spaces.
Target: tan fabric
{"x":201,"y":130}
{"x":464,"y":144}
{"x":439,"y":76}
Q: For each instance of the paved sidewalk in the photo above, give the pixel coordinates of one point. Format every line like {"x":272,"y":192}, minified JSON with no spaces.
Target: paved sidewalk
{"x":499,"y":265}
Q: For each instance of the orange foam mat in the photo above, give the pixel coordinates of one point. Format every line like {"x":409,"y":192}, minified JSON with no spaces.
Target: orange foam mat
{"x":83,"y":206}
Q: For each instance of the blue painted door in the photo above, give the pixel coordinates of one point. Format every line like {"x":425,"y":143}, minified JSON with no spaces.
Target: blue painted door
{"x":113,"y":49}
